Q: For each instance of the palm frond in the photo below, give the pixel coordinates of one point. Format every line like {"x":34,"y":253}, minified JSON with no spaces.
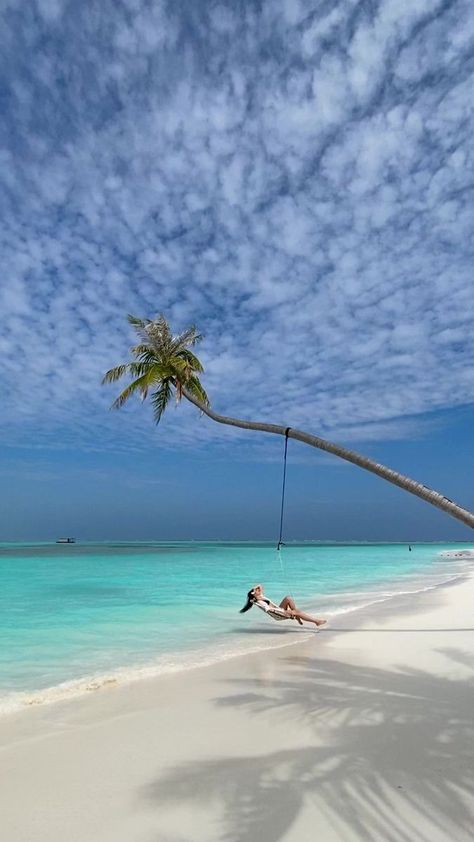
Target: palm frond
{"x":196,"y":388}
{"x":181,"y":373}
{"x":161,"y":398}
{"x":190,"y":336}
{"x":114,"y":374}
{"x":127,"y":392}
{"x":158,"y":335}
{"x":178,"y":365}
{"x":143,"y":352}
{"x":135,"y":321}
{"x":191,"y":359}
{"x":161,"y":327}
{"x":141,"y":384}
{"x":152,"y":369}
{"x":143,"y":333}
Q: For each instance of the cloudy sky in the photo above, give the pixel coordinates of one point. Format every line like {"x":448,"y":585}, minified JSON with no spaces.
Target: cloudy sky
{"x":296,"y":178}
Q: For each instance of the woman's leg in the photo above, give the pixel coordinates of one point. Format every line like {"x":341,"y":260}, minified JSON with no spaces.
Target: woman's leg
{"x":300,"y":615}
{"x":289,"y":602}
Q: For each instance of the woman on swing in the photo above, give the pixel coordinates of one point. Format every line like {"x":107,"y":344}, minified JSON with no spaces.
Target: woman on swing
{"x":287,"y":609}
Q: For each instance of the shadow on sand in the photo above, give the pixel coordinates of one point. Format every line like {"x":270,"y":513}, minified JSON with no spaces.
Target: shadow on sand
{"x":392,"y":759}
{"x":345,"y":630}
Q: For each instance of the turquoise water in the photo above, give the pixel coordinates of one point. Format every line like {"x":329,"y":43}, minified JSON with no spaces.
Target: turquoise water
{"x":72,"y":617}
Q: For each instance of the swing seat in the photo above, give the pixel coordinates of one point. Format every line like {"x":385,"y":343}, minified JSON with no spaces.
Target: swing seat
{"x":274,"y":614}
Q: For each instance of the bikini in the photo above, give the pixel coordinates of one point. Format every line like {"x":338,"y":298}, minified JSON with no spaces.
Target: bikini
{"x":270,"y":608}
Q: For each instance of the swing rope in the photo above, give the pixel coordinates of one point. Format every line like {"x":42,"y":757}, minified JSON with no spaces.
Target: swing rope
{"x":280,"y":542}
{"x":280,"y":538}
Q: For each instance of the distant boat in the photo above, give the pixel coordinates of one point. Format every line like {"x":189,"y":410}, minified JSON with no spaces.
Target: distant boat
{"x":66,"y":541}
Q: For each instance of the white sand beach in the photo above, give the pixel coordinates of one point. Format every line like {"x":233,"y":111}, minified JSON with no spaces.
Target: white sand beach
{"x":363,"y":733}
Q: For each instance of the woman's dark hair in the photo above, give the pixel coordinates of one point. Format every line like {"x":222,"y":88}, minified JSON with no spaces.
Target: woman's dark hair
{"x":249,"y":603}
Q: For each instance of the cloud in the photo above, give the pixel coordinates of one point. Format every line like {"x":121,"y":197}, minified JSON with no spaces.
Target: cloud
{"x":296,"y":179}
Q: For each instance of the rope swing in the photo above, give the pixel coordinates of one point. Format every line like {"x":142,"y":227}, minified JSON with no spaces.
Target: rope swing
{"x":280,"y":541}
{"x":282,"y":510}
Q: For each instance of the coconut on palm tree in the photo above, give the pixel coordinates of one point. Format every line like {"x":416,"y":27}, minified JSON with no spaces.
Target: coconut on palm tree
{"x":164,"y":366}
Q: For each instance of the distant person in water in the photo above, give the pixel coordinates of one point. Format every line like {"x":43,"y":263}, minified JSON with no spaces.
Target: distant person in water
{"x":286,"y":610}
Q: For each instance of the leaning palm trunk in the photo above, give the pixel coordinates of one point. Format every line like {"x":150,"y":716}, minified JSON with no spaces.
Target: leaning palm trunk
{"x":388,"y":474}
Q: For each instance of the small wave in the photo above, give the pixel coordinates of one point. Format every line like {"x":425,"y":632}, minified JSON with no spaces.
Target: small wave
{"x":382,"y":595}
{"x":181,"y":662}
{"x":467,"y":554}
{"x":76,"y":688}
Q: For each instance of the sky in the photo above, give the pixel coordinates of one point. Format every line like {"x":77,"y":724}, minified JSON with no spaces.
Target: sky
{"x":296,"y":178}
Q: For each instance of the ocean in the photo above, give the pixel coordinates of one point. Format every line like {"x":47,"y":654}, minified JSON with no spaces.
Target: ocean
{"x":76,"y":617}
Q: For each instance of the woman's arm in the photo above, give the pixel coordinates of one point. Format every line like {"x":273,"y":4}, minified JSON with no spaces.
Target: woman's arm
{"x":262,"y":604}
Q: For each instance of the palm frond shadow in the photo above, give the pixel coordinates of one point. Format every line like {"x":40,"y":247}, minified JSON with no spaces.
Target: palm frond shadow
{"x":383,"y":740}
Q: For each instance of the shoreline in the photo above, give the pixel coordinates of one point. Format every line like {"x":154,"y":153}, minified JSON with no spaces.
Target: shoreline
{"x":364,"y":732}
{"x":85,"y":685}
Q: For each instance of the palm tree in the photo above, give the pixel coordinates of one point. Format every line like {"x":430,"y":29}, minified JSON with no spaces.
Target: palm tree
{"x":165,"y":366}
{"x":162,"y":363}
